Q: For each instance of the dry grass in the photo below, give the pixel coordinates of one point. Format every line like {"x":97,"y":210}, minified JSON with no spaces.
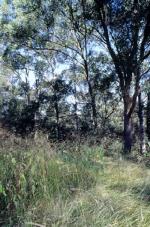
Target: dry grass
{"x":120,"y":198}
{"x":66,"y":185}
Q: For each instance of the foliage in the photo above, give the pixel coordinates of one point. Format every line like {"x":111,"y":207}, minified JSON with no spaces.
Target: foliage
{"x":76,"y":73}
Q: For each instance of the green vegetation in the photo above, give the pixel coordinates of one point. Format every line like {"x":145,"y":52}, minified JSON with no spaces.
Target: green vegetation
{"x":78,"y":186}
{"x":74,"y":113}
{"x":76,"y":67}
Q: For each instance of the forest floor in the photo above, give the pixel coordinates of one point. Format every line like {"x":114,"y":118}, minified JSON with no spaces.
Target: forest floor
{"x":82,"y":189}
{"x":120,"y":198}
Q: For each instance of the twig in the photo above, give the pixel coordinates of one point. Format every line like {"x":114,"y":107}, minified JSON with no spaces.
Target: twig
{"x":35,"y":224}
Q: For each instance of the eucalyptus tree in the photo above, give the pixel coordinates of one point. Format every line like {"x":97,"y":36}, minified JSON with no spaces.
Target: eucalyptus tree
{"x":141,"y":123}
{"x":70,"y":30}
{"x":147,"y":93}
{"x":57,"y":107}
{"x":25,"y":28}
{"x":124,"y":28}
{"x":40,"y":28}
{"x":144,"y":89}
{"x":148,"y":115}
{"x":20,"y":66}
{"x":73,"y":75}
{"x":77,"y":44}
{"x":81,"y":46}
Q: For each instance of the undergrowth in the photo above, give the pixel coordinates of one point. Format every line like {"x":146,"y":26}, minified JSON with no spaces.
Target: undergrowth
{"x":69,"y":185}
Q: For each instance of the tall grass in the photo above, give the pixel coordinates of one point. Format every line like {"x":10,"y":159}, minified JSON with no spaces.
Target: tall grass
{"x":29,"y":176}
{"x":43,"y":184}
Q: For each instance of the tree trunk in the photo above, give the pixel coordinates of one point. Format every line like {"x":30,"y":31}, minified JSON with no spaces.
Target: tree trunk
{"x":35,"y":126}
{"x":148,"y":116}
{"x":92,"y":96}
{"x":76,"y":110}
{"x":57,"y":119}
{"x":94,"y":113}
{"x":130,"y":102}
{"x":93,"y":105}
{"x":27,"y":92}
{"x":76,"y":118}
{"x":141,"y":125}
{"x":128,"y":133}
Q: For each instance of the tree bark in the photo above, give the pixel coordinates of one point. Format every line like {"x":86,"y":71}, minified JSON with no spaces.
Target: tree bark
{"x":76,"y":109}
{"x":128,"y":133}
{"x":57,"y":119}
{"x":36,"y":119}
{"x":148,"y":116}
{"x":126,"y":68}
{"x":93,"y":105}
{"x":141,"y":125}
{"x":94,"y":113}
{"x":76,"y":118}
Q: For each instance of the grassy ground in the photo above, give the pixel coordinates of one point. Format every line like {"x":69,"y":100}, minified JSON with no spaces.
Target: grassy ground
{"x":71,"y":187}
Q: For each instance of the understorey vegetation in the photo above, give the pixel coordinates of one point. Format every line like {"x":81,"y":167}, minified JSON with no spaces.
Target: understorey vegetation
{"x":44,"y":184}
{"x":74,"y":113}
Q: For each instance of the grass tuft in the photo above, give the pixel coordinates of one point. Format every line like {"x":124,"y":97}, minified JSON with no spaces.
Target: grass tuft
{"x":71,"y":186}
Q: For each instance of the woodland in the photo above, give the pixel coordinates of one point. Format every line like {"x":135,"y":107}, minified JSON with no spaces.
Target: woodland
{"x":75,"y":113}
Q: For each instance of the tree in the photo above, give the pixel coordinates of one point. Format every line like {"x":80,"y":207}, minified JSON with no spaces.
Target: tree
{"x":141,"y":123}
{"x":121,"y":24}
{"x":79,"y":45}
{"x":148,"y":113}
{"x":58,"y":91}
